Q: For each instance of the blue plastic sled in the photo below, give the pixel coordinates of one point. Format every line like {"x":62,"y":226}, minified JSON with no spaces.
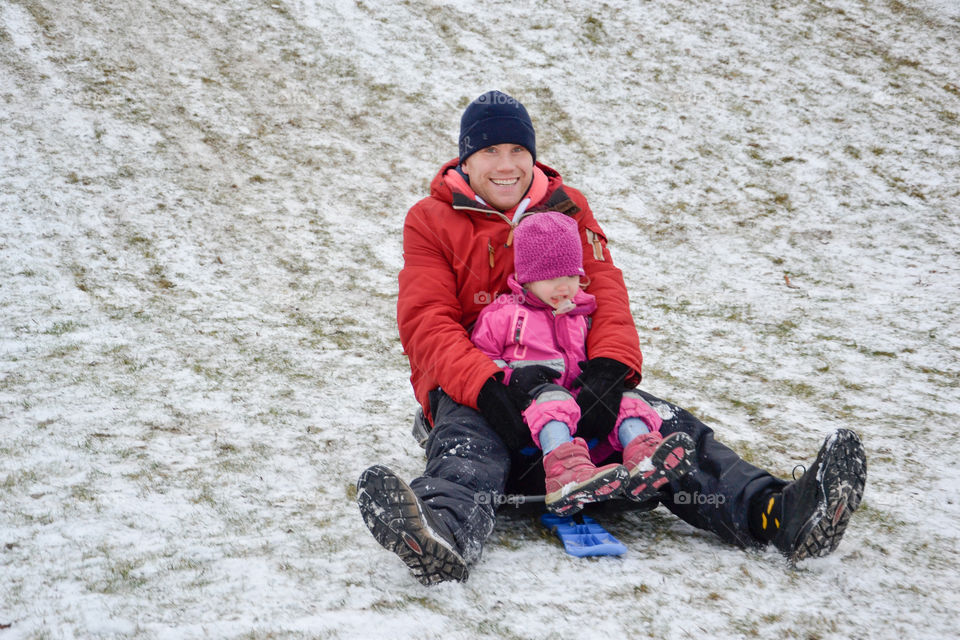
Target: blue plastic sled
{"x":581,"y":539}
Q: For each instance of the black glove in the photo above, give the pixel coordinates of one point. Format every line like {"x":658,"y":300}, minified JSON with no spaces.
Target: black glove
{"x":500,"y":406}
{"x":602,"y":383}
{"x":526,"y":379}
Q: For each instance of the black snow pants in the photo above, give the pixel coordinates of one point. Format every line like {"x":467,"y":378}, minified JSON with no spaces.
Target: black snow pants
{"x":470,"y":473}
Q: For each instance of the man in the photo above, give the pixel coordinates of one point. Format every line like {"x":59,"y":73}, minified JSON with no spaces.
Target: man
{"x":457,"y":257}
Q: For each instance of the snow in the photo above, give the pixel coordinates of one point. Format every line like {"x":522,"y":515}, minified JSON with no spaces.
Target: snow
{"x":200,"y":214}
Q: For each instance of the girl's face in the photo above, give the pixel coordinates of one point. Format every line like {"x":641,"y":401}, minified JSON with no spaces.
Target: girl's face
{"x":555,"y":292}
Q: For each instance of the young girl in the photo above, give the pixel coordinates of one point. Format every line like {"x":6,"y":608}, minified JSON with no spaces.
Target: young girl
{"x":544,"y":323}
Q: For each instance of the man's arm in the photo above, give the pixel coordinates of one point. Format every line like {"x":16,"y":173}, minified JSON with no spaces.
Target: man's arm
{"x":429,"y":315}
{"x":613,"y":333}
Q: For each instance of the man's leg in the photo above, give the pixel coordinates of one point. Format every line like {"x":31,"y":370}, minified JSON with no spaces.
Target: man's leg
{"x":748,"y":506}
{"x":438,"y":523}
{"x":467,"y":467}
{"x":717,"y":492}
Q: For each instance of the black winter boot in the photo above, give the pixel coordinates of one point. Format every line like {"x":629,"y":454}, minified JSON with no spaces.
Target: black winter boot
{"x":816,"y":508}
{"x":403,"y":525}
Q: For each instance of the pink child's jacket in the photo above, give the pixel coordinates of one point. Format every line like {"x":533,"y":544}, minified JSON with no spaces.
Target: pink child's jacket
{"x":517,"y":330}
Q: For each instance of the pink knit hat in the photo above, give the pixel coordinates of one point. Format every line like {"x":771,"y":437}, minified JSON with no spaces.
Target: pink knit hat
{"x":547,"y":246}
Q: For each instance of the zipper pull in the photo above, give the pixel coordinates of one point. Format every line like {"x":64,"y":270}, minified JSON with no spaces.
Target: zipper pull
{"x":490,"y":252}
{"x":517,"y":217}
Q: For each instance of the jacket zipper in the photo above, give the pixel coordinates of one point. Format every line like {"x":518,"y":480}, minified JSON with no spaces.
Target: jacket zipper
{"x":594,"y":239}
{"x":561,"y":348}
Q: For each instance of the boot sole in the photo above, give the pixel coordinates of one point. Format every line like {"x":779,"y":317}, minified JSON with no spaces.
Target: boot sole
{"x":671,"y":460}
{"x":598,"y":489}
{"x":394,"y":516}
{"x":841,"y":478}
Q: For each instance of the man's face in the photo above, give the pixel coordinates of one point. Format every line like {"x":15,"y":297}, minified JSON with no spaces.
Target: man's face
{"x":500,"y":174}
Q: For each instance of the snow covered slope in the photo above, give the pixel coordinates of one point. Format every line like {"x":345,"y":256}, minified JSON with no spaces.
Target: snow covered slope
{"x":200,"y":213}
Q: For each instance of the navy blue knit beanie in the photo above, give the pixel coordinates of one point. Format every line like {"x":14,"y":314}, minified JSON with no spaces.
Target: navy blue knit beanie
{"x":495,"y":118}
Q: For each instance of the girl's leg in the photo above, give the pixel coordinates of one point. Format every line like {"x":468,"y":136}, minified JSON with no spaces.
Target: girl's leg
{"x":651,"y":460}
{"x":554,"y":434}
{"x":572,"y":479}
{"x":630,"y":429}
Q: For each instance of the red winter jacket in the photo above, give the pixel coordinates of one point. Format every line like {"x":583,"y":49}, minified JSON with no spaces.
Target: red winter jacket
{"x":457,"y":256}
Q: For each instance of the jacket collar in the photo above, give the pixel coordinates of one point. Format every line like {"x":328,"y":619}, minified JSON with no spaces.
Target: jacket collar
{"x":586,"y":303}
{"x":545,"y":194}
